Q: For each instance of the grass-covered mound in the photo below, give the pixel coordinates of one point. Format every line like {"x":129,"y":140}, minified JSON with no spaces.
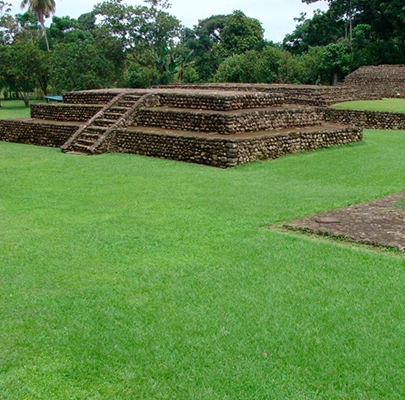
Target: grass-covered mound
{"x":135,"y":278}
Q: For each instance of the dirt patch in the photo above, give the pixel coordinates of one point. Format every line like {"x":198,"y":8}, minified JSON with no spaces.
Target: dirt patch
{"x":378,"y":223}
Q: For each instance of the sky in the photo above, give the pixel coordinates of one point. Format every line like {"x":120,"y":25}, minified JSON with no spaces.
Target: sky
{"x":276,"y":16}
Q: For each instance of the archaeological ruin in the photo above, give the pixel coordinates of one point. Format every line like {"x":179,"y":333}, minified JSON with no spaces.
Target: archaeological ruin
{"x":221,"y":125}
{"x":378,"y":81}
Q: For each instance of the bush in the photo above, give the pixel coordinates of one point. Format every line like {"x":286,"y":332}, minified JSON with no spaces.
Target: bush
{"x":250,"y":67}
{"x":190,"y":75}
{"x":137,"y":76}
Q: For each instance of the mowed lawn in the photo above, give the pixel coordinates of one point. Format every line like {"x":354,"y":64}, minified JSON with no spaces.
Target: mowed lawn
{"x":126,"y":277}
{"x":15,"y":109}
{"x":388,"y":105}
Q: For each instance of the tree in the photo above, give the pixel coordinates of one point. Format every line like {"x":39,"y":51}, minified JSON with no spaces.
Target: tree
{"x":148,"y":34}
{"x":335,"y":62}
{"x":203,"y":40}
{"x":220,"y":36}
{"x":66,"y":30}
{"x":140,"y":27}
{"x":7,"y":23}
{"x":80,"y":65}
{"x":42,"y":9}
{"x":385,"y":17}
{"x":343,"y":9}
{"x":251,"y":67}
{"x":21,"y":62}
{"x":320,"y":30}
{"x":3,"y":68}
{"x":310,"y":66}
{"x":240,"y":34}
{"x":137,"y":76}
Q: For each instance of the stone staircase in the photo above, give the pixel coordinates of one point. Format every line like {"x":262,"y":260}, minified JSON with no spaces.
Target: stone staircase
{"x":94,"y":137}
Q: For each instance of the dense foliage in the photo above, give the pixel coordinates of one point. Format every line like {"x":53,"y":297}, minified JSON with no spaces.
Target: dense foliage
{"x":117,"y":44}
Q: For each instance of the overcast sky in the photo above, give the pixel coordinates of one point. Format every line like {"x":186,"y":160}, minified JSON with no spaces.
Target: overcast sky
{"x":276,"y":16}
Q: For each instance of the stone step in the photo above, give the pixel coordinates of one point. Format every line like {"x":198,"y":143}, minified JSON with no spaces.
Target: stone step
{"x":126,"y":104}
{"x":76,"y":153}
{"x":87,"y":142}
{"x":104,"y":122}
{"x":93,"y":128}
{"x":132,"y":97}
{"x":76,"y":146}
{"x":91,"y":135}
{"x":119,"y":110}
{"x":112,"y":116}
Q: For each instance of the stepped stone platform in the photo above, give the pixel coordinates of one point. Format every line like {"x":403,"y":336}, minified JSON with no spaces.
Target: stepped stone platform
{"x":378,"y":81}
{"x":310,"y":95}
{"x":221,"y":128}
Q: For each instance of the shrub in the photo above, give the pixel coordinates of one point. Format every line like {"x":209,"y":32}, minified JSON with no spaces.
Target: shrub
{"x":137,"y":76}
{"x":250,"y":67}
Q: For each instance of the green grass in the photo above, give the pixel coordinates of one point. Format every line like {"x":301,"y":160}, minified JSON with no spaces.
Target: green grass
{"x":388,"y":105}
{"x":125,"y":277}
{"x":15,"y":109}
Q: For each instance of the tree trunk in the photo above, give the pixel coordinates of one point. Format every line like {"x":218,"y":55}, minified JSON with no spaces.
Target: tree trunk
{"x":45,"y":36}
{"x":26,"y":100}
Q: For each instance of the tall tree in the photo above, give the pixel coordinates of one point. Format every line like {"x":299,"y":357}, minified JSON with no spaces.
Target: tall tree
{"x":42,"y":9}
{"x":80,"y":65}
{"x":221,"y":36}
{"x":320,"y":30}
{"x":7,"y":23}
{"x":19,"y":67}
{"x":147,"y":33}
{"x":241,"y":34}
{"x":345,"y":9}
{"x":203,"y":40}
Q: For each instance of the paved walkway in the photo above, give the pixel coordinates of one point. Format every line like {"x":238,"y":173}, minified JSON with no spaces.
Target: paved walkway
{"x":379,"y":223}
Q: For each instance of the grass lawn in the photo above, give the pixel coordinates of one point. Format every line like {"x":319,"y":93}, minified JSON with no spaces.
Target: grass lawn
{"x":126,"y":277}
{"x":389,"y":105}
{"x":15,"y":109}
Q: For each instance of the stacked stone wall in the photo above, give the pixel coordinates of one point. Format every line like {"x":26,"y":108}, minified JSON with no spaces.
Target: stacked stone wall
{"x":175,"y":147}
{"x":229,"y":123}
{"x":91,"y":97}
{"x":224,"y":152}
{"x":366,"y":119}
{"x":64,"y":112}
{"x":317,"y":95}
{"x":220,"y":101}
{"x":218,"y":152}
{"x":254,"y":95}
{"x":278,"y":145}
{"x":311,"y":95}
{"x":40,"y":134}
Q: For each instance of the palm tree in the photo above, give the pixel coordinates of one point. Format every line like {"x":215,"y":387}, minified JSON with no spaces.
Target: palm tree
{"x":42,"y":9}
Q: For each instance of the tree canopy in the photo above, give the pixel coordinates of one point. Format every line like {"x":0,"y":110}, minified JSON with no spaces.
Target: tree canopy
{"x":42,"y":9}
{"x":117,"y":44}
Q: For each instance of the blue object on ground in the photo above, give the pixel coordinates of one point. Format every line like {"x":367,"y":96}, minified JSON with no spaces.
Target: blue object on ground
{"x":53,"y":98}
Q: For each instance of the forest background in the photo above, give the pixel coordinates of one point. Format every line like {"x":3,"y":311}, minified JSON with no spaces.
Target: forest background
{"x":120,"y":45}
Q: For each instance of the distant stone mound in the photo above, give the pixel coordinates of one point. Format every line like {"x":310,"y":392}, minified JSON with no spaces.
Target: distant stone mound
{"x":378,"y":81}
